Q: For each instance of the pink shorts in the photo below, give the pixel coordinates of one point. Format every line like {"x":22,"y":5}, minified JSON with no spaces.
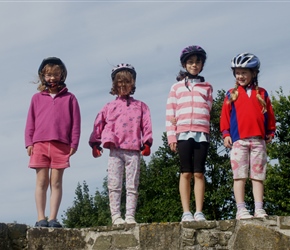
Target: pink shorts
{"x":249,"y":155}
{"x":50,"y":154}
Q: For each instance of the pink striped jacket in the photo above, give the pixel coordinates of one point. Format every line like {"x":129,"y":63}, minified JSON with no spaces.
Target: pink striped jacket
{"x":190,"y":107}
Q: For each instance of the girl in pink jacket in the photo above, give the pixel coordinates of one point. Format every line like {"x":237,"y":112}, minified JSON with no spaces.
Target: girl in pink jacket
{"x":52,"y":136}
{"x":123,"y":126}
{"x":187,"y":124}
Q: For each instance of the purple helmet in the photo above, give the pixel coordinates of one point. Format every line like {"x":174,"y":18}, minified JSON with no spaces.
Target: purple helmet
{"x":245,"y":60}
{"x":192,"y":50}
{"x":123,"y":66}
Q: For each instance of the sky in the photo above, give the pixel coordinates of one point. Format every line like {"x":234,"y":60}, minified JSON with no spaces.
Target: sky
{"x":91,"y":37}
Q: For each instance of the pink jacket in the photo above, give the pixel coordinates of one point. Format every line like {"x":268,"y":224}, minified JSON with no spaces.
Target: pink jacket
{"x":191,"y":109}
{"x":55,"y":118}
{"x":123,"y":126}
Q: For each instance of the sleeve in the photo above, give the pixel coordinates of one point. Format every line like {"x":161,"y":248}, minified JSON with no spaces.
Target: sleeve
{"x":271,"y":125}
{"x":99,"y":124}
{"x":225,"y":117}
{"x":76,"y":124}
{"x":146,"y":126}
{"x":170,"y":114}
{"x":210,"y":98}
{"x":30,"y":125}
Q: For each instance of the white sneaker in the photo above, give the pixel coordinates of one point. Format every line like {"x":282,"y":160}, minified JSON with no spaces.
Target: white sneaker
{"x":199,"y":216}
{"x":187,"y":217}
{"x":243,"y":214}
{"x":130,"y":220}
{"x":260,"y":213}
{"x":117,"y":220}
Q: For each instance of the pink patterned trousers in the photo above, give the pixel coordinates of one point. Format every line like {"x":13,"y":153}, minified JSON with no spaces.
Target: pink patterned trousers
{"x":120,"y":160}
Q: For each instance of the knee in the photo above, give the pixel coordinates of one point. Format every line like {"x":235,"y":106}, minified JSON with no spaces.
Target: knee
{"x":42,"y":184}
{"x":199,"y":176}
{"x":56,"y":184}
{"x":186,"y":176}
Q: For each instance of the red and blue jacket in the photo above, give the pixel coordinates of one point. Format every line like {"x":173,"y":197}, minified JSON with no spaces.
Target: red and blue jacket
{"x":243,"y":118}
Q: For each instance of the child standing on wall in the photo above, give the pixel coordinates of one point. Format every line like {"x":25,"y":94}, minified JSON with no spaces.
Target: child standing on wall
{"x":51,"y":136}
{"x":247,"y":124}
{"x":188,"y":125}
{"x":124,"y":127}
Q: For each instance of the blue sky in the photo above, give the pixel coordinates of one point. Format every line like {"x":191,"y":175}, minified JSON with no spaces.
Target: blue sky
{"x":93,"y":36}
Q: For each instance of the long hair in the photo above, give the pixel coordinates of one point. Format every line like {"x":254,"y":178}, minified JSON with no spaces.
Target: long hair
{"x":235,"y":93}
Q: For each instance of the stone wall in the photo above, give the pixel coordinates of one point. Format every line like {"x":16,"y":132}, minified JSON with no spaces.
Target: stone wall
{"x":272,"y":233}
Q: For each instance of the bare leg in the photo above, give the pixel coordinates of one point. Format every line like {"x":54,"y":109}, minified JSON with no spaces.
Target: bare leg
{"x":42,"y":181}
{"x":239,"y":190}
{"x":258,"y":190}
{"x":199,"y":189}
{"x":56,"y":192}
{"x":185,"y":190}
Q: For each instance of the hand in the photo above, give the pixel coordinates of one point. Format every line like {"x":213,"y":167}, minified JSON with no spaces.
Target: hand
{"x":228,"y":142}
{"x":173,"y":121}
{"x":97,"y":151}
{"x":173,"y":146}
{"x":29,"y":150}
{"x":269,"y":138}
{"x":146,"y":150}
{"x":72,"y":151}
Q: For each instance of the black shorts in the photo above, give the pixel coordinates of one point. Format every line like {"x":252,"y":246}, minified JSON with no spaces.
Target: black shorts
{"x":192,"y":155}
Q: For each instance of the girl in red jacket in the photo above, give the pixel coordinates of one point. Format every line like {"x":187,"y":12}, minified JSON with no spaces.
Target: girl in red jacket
{"x":247,"y":124}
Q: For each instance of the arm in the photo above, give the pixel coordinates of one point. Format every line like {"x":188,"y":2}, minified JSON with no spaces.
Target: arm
{"x":170,"y":116}
{"x":225,"y":118}
{"x":271,"y":125}
{"x":76,"y":125}
{"x":146,"y":128}
{"x":30,"y":126}
{"x":99,"y":124}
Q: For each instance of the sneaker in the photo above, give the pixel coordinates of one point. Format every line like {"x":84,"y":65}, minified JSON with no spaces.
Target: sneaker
{"x":41,"y":223}
{"x":186,"y":217}
{"x":54,"y":223}
{"x":199,"y":216}
{"x":130,"y":220}
{"x":260,"y":213}
{"x":243,"y":214}
{"x":117,"y":220}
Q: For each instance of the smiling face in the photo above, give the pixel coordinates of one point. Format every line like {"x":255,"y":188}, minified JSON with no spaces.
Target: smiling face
{"x":244,"y":76}
{"x":52,"y":75}
{"x":193,"y":65}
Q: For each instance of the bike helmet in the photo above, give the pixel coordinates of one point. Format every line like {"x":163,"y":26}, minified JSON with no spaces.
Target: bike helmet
{"x":123,"y":66}
{"x":192,"y":50}
{"x":245,"y":60}
{"x":56,"y":61}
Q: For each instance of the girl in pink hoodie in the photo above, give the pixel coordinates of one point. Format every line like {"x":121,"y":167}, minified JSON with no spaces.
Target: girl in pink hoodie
{"x":123,"y":126}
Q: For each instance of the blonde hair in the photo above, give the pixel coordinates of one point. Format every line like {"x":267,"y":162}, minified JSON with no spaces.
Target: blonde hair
{"x":126,"y":77}
{"x":235,"y":93}
{"x":52,"y":69}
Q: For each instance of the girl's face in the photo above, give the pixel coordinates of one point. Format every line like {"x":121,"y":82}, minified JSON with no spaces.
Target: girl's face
{"x":244,"y":76}
{"x":193,"y":65}
{"x":52,"y":76}
{"x":124,"y":87}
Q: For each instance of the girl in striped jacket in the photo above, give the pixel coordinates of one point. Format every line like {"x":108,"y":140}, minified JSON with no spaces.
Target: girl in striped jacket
{"x":187,"y":124}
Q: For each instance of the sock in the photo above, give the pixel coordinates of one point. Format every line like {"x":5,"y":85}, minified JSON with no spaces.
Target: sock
{"x":259,"y":205}
{"x":241,"y":205}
